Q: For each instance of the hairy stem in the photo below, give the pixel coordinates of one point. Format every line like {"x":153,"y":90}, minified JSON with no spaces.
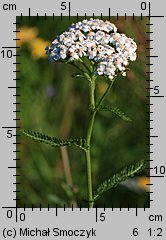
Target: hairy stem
{"x":92,"y":95}
{"x":94,"y":110}
{"x":89,"y":178}
{"x":88,"y":138}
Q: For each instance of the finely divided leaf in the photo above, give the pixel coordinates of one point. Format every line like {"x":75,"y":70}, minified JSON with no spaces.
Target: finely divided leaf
{"x":116,"y":111}
{"x":124,"y":174}
{"x":55,"y":142}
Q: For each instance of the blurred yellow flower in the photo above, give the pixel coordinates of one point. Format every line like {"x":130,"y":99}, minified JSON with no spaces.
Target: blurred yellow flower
{"x":137,"y":184}
{"x":143,"y":181}
{"x":38,"y":46}
{"x":26,"y":35}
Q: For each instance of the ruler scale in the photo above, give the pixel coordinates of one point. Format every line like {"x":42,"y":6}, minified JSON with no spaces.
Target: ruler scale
{"x":31,"y":220}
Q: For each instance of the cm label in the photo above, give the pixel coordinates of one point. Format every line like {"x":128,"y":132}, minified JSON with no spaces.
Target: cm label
{"x":9,"y":7}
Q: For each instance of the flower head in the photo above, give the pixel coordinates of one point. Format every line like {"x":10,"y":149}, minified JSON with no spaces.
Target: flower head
{"x":99,"y":41}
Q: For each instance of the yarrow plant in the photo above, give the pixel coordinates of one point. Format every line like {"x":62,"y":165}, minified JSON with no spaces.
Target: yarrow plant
{"x":108,"y":50}
{"x":96,"y":49}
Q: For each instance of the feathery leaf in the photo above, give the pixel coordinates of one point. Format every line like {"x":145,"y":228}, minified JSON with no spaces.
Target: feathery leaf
{"x":116,"y":111}
{"x":127,"y":172}
{"x":55,"y":142}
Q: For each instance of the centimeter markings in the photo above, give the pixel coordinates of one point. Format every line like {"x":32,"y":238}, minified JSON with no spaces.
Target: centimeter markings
{"x":64,"y":7}
{"x":149,"y":72}
{"x":98,"y":214}
{"x":17,"y":119}
{"x":148,"y":112}
{"x":149,"y":64}
{"x":15,"y":111}
{"x":149,"y":136}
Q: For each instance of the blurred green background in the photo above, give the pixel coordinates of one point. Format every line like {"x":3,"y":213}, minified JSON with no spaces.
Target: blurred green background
{"x":54,"y":103}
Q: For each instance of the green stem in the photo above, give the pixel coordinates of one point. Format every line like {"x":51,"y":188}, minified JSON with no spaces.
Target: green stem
{"x":93,"y":109}
{"x":104,"y":95}
{"x":89,"y":177}
{"x":86,"y":67}
{"x":92,"y":95}
{"x":88,"y":139}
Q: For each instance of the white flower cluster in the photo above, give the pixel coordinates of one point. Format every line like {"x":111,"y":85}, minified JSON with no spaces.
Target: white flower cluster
{"x":99,"y":41}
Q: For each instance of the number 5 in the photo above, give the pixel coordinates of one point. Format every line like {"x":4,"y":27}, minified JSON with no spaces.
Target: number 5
{"x":156,"y":90}
{"x":102,"y":217}
{"x":63,"y":5}
{"x":9,"y":133}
